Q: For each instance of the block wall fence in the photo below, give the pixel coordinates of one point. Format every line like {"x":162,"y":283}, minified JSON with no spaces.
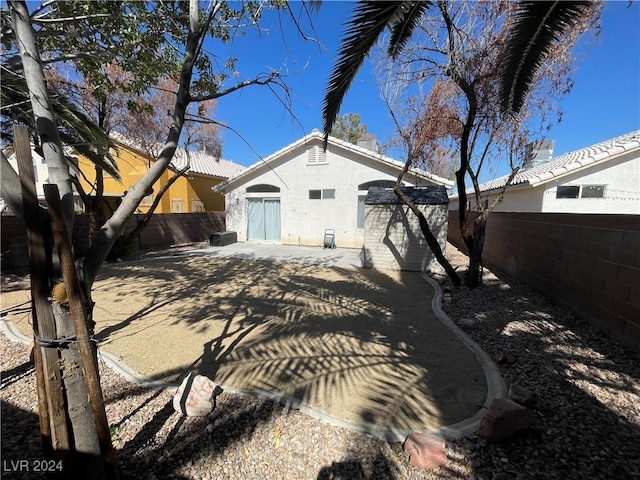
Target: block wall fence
{"x":587,"y":263}
{"x":163,"y":231}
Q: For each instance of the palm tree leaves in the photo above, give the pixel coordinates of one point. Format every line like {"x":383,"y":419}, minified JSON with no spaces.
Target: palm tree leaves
{"x":76,"y":129}
{"x":537,"y":26}
{"x":404,"y":24}
{"x":362,"y":31}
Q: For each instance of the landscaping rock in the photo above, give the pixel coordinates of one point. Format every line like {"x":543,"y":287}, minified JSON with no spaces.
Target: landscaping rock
{"x":521,"y":395}
{"x":468,"y":323}
{"x":425,"y":451}
{"x":500,"y":358}
{"x":503,"y":419}
{"x":196,"y":396}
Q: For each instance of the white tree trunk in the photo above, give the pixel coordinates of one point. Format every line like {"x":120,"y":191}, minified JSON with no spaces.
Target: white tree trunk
{"x":43,"y":113}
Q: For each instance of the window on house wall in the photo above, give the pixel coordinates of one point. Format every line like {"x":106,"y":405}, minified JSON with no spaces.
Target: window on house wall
{"x":592,"y":191}
{"x":197,"y":206}
{"x":263,"y":188}
{"x":322,"y":194}
{"x":377,"y":183}
{"x":176,"y":205}
{"x":568,"y":191}
{"x":316,"y":155}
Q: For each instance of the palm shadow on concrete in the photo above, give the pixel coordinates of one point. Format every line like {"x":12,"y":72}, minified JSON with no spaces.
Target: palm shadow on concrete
{"x":360,"y":345}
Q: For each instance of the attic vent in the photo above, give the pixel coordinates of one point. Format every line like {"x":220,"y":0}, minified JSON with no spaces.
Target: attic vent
{"x":316,"y":155}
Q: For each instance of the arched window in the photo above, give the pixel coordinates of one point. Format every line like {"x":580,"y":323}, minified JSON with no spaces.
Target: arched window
{"x":263,"y":188}
{"x":377,"y":183}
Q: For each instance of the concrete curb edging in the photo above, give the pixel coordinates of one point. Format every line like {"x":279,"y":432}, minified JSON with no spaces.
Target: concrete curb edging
{"x":496,"y":387}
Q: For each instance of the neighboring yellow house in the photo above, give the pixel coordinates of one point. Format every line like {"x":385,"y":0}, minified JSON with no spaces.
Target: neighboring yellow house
{"x":190,"y":193}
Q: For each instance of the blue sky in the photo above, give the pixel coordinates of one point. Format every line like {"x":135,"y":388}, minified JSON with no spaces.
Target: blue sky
{"x":604,"y":103}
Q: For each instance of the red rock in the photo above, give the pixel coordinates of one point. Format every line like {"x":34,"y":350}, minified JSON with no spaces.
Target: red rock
{"x":500,"y":358}
{"x":425,"y":451}
{"x":503,"y":419}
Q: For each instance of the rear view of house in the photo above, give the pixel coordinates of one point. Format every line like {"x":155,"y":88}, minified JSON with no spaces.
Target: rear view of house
{"x":298,"y":193}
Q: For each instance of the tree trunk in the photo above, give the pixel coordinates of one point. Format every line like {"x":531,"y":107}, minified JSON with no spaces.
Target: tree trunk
{"x":57,"y":166}
{"x":51,"y":403}
{"x":93,"y":449}
{"x":432,"y":241}
{"x":475,"y":245}
{"x":86,"y":457}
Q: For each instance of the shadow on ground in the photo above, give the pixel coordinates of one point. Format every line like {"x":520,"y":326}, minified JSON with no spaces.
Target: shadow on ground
{"x":587,"y":386}
{"x":361,"y":345}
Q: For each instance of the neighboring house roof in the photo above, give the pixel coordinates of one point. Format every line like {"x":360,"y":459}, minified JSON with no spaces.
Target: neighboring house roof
{"x":423,"y":195}
{"x":204,"y":164}
{"x":200,"y":163}
{"x":570,"y":162}
{"x":317,"y":137}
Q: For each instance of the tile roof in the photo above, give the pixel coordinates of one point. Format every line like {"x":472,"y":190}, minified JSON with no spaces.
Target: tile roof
{"x":316,"y":136}
{"x":204,"y":164}
{"x":570,"y":162}
{"x":200,"y":163}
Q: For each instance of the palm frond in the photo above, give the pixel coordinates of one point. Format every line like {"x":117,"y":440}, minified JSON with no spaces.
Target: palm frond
{"x":368,"y":21}
{"x":537,"y":25}
{"x":404,"y":24}
{"x":76,"y":129}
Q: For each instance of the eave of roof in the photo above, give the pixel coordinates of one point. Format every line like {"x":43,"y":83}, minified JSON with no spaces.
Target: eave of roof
{"x":316,"y":136}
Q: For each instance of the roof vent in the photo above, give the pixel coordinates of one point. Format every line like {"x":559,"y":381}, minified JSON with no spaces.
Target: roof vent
{"x":538,"y":152}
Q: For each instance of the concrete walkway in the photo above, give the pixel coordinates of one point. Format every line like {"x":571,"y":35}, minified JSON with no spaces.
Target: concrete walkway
{"x":336,"y":257}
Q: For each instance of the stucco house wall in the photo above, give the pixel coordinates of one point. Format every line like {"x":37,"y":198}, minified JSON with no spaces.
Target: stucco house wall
{"x":191,"y":193}
{"x":290,"y":175}
{"x":621,"y":181}
{"x":612,"y":166}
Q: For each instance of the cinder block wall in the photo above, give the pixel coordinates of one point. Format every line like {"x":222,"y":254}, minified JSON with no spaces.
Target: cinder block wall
{"x":587,"y":263}
{"x":163,"y":231}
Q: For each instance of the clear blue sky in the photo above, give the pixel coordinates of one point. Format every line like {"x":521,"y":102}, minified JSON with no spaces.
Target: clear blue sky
{"x":604,"y":103}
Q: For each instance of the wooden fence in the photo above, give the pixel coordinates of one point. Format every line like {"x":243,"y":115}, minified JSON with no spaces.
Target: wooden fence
{"x":163,"y":231}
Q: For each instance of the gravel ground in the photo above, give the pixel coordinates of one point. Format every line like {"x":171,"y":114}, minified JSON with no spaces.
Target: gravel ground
{"x":587,"y":407}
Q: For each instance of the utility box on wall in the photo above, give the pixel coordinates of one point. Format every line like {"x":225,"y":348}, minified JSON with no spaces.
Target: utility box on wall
{"x":393,"y":239}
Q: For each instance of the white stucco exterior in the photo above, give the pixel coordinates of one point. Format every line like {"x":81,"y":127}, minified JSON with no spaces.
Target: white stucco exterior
{"x":292,"y":173}
{"x":612,"y":168}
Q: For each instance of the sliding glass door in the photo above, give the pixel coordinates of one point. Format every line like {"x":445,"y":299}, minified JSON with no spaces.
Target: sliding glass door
{"x":263,"y":219}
